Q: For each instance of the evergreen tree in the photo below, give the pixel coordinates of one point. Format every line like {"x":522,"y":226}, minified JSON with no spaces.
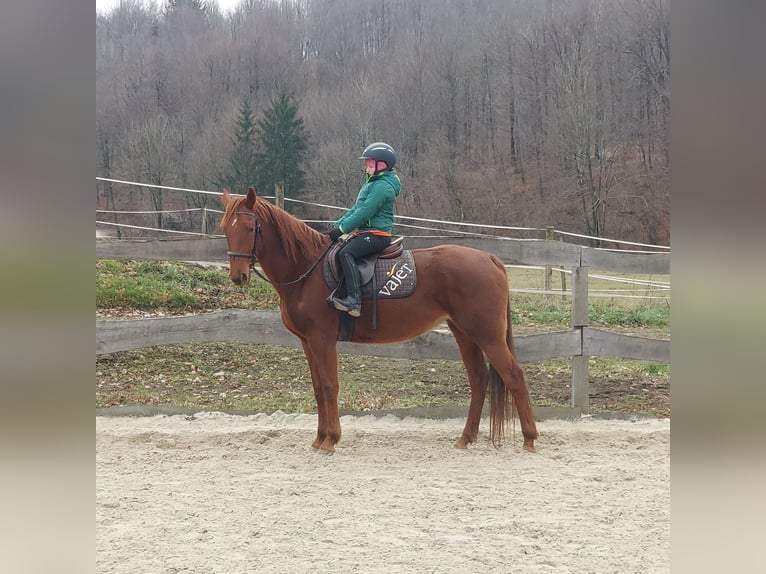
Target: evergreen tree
{"x":240,"y":171}
{"x":283,"y":143}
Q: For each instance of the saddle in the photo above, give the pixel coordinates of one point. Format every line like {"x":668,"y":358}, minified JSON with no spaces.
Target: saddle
{"x":388,"y":274}
{"x":366,"y":265}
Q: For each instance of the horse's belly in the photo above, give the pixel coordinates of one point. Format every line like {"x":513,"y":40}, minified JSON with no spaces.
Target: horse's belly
{"x":392,"y":328}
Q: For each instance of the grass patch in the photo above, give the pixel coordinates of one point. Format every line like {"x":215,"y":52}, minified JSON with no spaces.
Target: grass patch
{"x":610,"y":313}
{"x":537,"y":310}
{"x":263,"y":378}
{"x":534,"y":310}
{"x":175,"y":287}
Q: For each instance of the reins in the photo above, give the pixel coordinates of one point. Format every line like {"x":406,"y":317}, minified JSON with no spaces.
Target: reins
{"x":253,"y":255}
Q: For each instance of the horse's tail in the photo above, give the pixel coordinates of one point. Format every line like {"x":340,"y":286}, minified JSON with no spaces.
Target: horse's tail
{"x":500,"y":399}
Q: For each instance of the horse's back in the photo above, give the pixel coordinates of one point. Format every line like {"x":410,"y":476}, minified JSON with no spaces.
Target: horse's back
{"x":458,"y":260}
{"x":452,"y":250}
{"x":456,"y":275}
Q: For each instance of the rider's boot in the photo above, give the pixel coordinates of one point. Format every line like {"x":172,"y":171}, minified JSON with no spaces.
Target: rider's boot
{"x":352,"y":302}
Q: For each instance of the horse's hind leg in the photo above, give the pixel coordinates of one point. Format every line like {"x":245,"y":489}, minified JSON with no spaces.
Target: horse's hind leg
{"x":476,"y":369}
{"x":510,"y":371}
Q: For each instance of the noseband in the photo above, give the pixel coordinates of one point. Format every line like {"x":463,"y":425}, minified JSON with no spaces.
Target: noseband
{"x":253,"y":255}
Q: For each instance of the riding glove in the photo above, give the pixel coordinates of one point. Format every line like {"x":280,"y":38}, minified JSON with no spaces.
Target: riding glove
{"x":335,"y":233}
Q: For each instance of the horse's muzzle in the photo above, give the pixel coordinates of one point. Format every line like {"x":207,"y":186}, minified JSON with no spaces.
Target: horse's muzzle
{"x":240,"y":278}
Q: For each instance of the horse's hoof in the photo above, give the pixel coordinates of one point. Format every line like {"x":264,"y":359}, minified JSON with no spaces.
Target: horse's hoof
{"x":530,"y":447}
{"x":464,"y":441}
{"x":327,"y":446}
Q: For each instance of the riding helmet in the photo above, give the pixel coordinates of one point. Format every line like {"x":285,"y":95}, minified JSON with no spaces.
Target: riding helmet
{"x":380,"y":151}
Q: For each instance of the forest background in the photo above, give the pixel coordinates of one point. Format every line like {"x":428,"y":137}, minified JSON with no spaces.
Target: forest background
{"x":506,"y":112}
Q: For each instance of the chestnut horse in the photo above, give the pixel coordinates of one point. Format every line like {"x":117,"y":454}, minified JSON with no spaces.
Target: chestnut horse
{"x":466,"y":287}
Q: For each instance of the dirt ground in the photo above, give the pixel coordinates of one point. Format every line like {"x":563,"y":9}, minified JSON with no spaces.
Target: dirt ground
{"x":219,"y":493}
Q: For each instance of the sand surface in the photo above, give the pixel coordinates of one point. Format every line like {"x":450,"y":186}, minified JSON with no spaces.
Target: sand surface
{"x":232,"y":494}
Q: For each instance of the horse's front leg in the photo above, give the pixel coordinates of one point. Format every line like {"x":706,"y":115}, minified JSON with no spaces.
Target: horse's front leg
{"x":322,"y":357}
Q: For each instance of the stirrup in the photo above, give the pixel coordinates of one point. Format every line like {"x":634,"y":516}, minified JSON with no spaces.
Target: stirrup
{"x":333,"y":298}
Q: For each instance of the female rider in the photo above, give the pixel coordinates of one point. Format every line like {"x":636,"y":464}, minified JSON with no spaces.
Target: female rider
{"x":370,"y":221}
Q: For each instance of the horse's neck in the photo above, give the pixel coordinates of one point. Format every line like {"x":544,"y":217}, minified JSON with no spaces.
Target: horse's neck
{"x":276,"y":261}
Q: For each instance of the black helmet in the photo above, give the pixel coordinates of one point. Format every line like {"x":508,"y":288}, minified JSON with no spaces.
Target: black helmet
{"x":380,"y":151}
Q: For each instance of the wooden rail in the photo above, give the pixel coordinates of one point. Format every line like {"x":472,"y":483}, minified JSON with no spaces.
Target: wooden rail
{"x":510,"y":251}
{"x":265,"y":327}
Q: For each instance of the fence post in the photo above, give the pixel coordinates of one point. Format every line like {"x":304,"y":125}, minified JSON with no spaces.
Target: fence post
{"x":204,"y":221}
{"x":563,"y":280}
{"x":548,"y":268}
{"x":279,"y":194}
{"x":580,"y":370}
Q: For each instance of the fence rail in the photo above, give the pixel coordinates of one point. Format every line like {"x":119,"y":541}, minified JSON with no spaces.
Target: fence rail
{"x":510,"y":251}
{"x":265,"y":327}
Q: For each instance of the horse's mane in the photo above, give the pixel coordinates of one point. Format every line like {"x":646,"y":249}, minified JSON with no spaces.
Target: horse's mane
{"x":296,"y":237}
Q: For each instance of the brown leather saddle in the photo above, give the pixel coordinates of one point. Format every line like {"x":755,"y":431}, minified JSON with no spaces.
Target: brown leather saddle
{"x":366,"y":265}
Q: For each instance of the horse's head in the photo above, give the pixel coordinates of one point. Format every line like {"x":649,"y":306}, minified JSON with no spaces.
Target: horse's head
{"x":240,"y":226}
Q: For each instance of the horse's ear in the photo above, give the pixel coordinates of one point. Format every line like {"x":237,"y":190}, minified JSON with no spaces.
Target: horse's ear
{"x":250,"y":200}
{"x":226,"y":197}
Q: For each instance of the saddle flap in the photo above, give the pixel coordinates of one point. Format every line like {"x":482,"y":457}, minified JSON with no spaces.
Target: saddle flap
{"x":395,"y":275}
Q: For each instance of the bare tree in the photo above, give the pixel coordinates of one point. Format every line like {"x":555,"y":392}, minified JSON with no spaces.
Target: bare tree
{"x":151,"y":156}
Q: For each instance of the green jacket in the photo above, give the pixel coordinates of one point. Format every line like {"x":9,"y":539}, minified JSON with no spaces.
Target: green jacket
{"x":374,"y":207}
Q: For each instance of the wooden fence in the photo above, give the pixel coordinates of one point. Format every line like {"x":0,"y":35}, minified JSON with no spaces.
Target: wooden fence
{"x":265,"y":327}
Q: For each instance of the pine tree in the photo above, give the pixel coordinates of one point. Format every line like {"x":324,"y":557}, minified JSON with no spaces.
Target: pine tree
{"x":241,"y":171}
{"x":283,"y":144}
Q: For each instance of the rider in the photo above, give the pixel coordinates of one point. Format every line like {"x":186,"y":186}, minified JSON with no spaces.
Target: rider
{"x":370,"y":220}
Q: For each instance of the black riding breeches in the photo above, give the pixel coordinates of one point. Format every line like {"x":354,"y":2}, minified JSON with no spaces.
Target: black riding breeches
{"x":359,"y":246}
{"x":365,"y":244}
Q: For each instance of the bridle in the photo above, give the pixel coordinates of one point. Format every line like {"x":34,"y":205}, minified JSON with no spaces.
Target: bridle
{"x":253,"y":255}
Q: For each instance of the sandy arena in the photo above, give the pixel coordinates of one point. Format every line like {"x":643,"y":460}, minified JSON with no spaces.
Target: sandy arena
{"x":234,"y":494}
